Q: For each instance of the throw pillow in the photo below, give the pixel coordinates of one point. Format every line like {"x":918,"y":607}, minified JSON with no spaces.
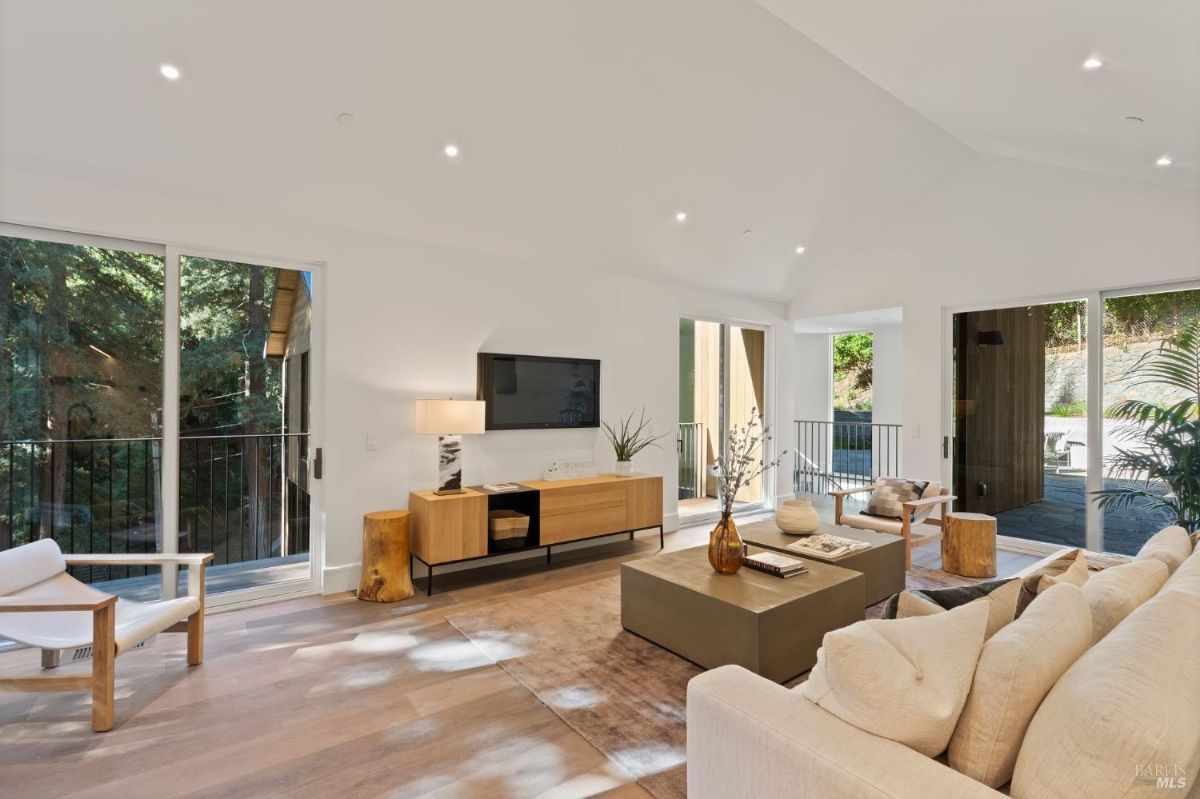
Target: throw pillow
{"x":1069,"y":568}
{"x":903,"y":679}
{"x":1116,"y":592}
{"x":1017,"y":668}
{"x":1000,"y":596}
{"x":889,"y":495}
{"x":1171,"y":545}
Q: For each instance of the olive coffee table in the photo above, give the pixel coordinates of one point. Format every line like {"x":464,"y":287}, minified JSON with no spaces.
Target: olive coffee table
{"x":769,"y":625}
{"x":882,"y":564}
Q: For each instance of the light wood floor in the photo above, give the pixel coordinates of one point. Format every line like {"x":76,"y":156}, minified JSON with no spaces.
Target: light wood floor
{"x":327,"y":697}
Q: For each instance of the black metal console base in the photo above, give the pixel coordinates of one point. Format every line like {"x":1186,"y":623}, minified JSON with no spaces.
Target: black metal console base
{"x":548,"y":547}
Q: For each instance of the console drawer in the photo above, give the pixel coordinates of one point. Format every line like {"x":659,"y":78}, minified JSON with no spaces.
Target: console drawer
{"x":563,"y":527}
{"x":583,"y":499}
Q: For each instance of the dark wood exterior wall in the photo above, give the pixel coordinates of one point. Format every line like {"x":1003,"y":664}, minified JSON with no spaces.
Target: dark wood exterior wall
{"x":999,"y":422}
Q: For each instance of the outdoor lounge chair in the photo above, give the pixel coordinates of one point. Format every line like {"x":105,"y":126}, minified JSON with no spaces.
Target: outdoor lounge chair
{"x":43,"y":606}
{"x":916,"y":512}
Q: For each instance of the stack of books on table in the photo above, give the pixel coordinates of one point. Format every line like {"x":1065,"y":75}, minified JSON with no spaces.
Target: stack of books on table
{"x":772,"y":563}
{"x":827,"y":546}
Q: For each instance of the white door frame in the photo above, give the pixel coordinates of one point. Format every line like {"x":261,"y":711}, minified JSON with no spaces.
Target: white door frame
{"x":770,"y":413}
{"x":171,"y":252}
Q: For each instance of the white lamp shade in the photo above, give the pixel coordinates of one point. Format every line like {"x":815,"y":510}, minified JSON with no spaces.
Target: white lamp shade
{"x":446,"y":417}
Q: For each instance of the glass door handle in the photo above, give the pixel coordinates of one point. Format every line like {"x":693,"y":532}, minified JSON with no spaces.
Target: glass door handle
{"x":318,"y":464}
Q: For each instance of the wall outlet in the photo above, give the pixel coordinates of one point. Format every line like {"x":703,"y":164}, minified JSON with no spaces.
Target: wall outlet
{"x":372,"y":442}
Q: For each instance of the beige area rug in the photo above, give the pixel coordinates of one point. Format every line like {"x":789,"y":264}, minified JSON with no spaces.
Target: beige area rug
{"x":623,"y":694}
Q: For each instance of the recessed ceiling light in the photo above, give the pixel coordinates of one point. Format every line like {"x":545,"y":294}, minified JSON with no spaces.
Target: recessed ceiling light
{"x":345,"y":120}
{"x":170,"y":71}
{"x":1132,"y":118}
{"x":1164,"y":160}
{"x":1093,"y":63}
{"x":800,"y":250}
{"x":451,"y":151}
{"x":681,"y":216}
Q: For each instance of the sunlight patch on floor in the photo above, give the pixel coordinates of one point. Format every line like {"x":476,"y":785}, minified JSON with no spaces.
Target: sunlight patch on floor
{"x":448,"y":656}
{"x":574,"y":697}
{"x":605,"y":778}
{"x":354,"y":678}
{"x":500,"y":645}
{"x":650,"y":758}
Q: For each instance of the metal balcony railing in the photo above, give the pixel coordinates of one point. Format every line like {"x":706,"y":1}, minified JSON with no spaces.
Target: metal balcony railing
{"x":833,"y":455}
{"x":692,"y":474}
{"x":242,"y":497}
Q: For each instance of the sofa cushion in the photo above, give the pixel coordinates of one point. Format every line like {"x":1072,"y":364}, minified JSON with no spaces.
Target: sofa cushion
{"x":1000,"y":595}
{"x":1187,"y":574}
{"x":1131,"y":702}
{"x":890,"y":493}
{"x":902,"y":679}
{"x":1017,"y":668}
{"x":1171,"y":545}
{"x":1117,"y":591}
{"x":1069,"y":568}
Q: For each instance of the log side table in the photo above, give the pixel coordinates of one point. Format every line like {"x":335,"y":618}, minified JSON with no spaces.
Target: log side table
{"x":969,"y":545}
{"x":385,"y":566}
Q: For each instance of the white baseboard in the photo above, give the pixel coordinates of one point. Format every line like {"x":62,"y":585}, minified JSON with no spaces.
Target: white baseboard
{"x":670,"y":522}
{"x":336,"y":579}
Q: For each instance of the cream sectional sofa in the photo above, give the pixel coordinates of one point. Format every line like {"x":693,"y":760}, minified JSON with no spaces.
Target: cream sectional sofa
{"x":1123,"y":721}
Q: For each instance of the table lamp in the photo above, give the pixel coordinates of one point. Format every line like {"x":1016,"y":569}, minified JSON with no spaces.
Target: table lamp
{"x":450,"y":420}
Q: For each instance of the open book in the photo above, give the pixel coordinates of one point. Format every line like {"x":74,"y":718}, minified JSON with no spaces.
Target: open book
{"x":827,"y":546}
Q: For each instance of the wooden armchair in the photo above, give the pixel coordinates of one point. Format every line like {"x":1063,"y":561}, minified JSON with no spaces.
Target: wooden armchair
{"x":918,"y":511}
{"x":43,"y":606}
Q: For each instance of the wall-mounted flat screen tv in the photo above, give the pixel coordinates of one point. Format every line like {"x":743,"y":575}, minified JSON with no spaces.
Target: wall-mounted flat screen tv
{"x":527,"y":392}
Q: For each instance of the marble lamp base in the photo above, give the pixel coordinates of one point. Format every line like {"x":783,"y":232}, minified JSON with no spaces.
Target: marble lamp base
{"x":449,"y":465}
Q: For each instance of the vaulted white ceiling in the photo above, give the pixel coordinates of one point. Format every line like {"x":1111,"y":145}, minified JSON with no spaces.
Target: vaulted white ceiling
{"x":1006,"y":78}
{"x":584,"y":126}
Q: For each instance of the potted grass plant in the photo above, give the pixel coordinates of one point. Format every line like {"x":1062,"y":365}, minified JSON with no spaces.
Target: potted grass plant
{"x":628,"y":438}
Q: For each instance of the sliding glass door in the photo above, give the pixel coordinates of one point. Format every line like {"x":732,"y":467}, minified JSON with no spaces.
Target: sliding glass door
{"x":106,"y":447}
{"x":245,"y":348}
{"x":81,"y":352}
{"x":1145,"y":450}
{"x":1062,"y":424}
{"x":722,"y":383}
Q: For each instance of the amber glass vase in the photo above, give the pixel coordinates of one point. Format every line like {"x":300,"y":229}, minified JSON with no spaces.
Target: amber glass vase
{"x":725,"y":546}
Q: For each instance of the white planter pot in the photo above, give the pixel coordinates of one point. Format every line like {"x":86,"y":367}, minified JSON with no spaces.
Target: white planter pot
{"x":797,"y":517}
{"x":624,"y":468}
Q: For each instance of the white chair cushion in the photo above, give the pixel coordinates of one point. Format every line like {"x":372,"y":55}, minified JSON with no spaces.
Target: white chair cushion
{"x":1017,"y":668}
{"x":1129,"y":703}
{"x":1171,"y":545}
{"x":1116,"y":592}
{"x":902,"y":679}
{"x":26,"y":565}
{"x":136,"y":621}
{"x":875,"y":523}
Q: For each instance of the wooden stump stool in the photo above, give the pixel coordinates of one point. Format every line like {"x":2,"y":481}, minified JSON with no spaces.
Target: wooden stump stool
{"x":385,"y":568}
{"x":969,"y":545}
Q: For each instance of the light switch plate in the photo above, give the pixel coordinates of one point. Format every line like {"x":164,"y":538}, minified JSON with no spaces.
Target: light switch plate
{"x":372,"y":443}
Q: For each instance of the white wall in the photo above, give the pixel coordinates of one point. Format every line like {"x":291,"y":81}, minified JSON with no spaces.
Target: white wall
{"x":812,"y":376}
{"x":995,"y":232}
{"x":887,"y":375}
{"x":404,"y":320}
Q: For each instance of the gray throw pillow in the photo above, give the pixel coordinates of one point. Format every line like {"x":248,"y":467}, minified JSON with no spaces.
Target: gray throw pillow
{"x":889,"y":495}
